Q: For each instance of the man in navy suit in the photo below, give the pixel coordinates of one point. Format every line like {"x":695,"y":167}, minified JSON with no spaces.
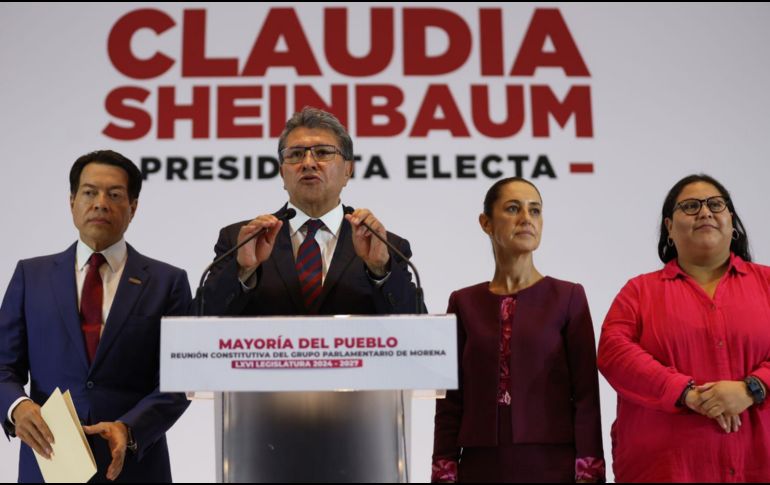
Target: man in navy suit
{"x":88,"y":320}
{"x":275,"y":274}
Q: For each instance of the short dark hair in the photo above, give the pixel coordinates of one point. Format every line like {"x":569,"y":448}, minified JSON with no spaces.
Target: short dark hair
{"x":739,"y":245}
{"x":107,"y":157}
{"x":494,"y":192}
{"x":311,"y":117}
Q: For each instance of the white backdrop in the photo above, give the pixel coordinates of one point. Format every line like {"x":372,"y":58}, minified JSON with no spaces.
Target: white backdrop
{"x":674,"y":89}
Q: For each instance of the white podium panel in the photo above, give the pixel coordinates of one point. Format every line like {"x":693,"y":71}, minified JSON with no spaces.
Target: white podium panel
{"x":309,"y":353}
{"x":310,"y":434}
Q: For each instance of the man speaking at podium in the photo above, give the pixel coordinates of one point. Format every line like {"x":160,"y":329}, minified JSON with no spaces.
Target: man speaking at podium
{"x":87,"y":320}
{"x":321,"y":261}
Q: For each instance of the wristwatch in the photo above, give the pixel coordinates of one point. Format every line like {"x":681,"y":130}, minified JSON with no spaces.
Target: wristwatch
{"x":754,"y":388}
{"x":680,"y":403}
{"x":131,"y":445}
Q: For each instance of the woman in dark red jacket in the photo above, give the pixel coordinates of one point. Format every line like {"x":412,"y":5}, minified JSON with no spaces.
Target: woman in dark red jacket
{"x":528,"y":404}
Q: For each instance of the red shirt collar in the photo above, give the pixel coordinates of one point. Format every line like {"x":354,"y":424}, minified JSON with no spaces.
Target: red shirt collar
{"x":672,"y":270}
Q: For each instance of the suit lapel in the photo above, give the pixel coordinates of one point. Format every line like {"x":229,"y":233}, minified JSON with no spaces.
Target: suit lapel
{"x":133,"y":281}
{"x":283,"y":258}
{"x":344,"y":254}
{"x":65,"y":292}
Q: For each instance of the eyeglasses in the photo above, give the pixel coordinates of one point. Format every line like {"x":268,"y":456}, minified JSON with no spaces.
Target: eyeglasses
{"x":321,"y":153}
{"x":692,"y":206}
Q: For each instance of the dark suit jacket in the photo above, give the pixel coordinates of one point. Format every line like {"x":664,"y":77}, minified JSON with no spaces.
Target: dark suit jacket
{"x":346,"y":290}
{"x":554,"y":382}
{"x":40,"y":336}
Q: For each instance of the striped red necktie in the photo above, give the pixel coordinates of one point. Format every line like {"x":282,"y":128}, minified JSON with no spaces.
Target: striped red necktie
{"x":309,"y":265}
{"x":91,"y":305}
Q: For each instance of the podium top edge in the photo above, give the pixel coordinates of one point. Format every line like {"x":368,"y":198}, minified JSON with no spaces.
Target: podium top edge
{"x":431,"y":316}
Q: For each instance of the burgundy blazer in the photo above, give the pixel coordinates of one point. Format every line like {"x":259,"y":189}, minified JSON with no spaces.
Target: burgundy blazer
{"x":554,"y":382}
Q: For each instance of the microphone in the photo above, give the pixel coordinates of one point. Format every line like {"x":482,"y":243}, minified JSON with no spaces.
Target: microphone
{"x":392,"y":247}
{"x":284,"y":216}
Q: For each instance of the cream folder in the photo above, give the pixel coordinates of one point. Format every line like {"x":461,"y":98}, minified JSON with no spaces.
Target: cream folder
{"x":72,"y":460}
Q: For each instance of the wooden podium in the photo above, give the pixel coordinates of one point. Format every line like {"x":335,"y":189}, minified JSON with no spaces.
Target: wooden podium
{"x":310,"y":399}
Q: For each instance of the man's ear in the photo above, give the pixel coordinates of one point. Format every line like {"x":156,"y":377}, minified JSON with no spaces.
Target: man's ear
{"x":280,"y":171}
{"x":134,"y":205}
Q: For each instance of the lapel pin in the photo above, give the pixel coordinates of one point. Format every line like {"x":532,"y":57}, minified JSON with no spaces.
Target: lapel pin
{"x":135,"y":281}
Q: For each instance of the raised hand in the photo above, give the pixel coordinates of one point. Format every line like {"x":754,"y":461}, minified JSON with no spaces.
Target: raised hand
{"x":251,"y":255}
{"x":373,"y":251}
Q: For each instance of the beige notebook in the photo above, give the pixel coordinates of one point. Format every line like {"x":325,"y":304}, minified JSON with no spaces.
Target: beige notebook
{"x":72,"y":460}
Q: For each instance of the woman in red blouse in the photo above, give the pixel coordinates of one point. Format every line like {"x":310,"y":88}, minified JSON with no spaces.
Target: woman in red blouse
{"x":687,"y":348}
{"x":527,"y":409}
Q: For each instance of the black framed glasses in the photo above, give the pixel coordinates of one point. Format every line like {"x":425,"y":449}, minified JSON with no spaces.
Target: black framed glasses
{"x":321,"y":153}
{"x":691,"y":207}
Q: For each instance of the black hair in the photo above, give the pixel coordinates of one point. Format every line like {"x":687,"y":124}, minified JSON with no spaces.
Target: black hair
{"x":494,"y":192}
{"x":107,"y":157}
{"x":311,"y":117}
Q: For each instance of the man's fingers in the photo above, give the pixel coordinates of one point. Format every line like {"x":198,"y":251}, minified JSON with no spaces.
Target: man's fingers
{"x":114,"y":470}
{"x":46,"y":431}
{"x":363,"y":216}
{"x":357,"y":216}
{"x":31,"y":428}
{"x":272,"y":233}
{"x":259,"y":248}
{"x":34,"y":439}
{"x":373,"y":226}
{"x":257,"y":224}
{"x":247,"y":231}
{"x":114,"y":433}
{"x":116,"y":466}
{"x":37,"y":424}
{"x":373,"y":223}
{"x":38,"y":437}
{"x":94,"y":429}
{"x":118,"y":452}
{"x":39,"y":448}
